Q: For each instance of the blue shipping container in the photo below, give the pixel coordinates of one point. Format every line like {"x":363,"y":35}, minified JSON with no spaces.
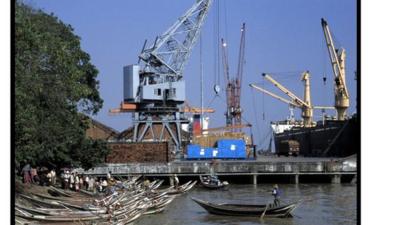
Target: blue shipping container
{"x":198,"y":152}
{"x":227,"y":149}
{"x":232,"y":149}
{"x":209,"y":154}
{"x":193,"y":151}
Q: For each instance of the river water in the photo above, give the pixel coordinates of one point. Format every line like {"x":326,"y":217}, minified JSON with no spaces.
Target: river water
{"x":325,"y":204}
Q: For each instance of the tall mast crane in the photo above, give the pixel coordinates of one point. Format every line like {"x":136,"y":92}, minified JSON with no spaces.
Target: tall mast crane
{"x":233,"y":85}
{"x":155,"y":90}
{"x":337,"y":58}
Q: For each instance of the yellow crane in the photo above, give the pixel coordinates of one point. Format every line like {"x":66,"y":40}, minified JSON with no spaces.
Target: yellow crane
{"x":304,"y":104}
{"x":338,"y":58}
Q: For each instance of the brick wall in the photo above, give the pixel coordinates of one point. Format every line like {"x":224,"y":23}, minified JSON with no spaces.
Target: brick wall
{"x":143,"y":152}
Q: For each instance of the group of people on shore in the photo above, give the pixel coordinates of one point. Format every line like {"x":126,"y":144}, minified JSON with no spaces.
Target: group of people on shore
{"x":73,"y":181}
{"x":77,"y":182}
{"x":69,"y":180}
{"x":32,"y":175}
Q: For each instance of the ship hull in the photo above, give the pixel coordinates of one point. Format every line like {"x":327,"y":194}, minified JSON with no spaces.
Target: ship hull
{"x":333,"y":139}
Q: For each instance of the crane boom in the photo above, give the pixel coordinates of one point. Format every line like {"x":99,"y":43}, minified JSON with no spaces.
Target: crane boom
{"x":225,"y":59}
{"x":323,"y":107}
{"x":305,"y":105}
{"x":286,"y":91}
{"x":171,"y":50}
{"x":239,"y":75}
{"x":158,"y":82}
{"x":333,"y":55}
{"x":229,"y":85}
{"x":337,"y":59}
{"x":291,"y":103}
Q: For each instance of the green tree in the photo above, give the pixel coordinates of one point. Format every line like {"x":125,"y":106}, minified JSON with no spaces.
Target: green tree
{"x":55,"y":85}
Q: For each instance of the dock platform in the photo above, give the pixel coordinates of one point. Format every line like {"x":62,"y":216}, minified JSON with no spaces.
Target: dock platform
{"x":293,"y":167}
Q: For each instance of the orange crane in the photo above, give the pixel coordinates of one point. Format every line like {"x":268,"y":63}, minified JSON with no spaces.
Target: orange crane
{"x":129,"y":108}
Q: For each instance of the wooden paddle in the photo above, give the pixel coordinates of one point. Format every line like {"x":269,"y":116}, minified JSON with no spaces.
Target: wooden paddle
{"x":265,"y":210}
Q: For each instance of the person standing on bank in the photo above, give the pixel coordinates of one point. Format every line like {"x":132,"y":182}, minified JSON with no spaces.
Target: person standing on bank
{"x":26,"y":172}
{"x":109,"y":176}
{"x":176,"y":181}
{"x":53,"y":177}
{"x":276,"y":194}
{"x":71,"y":181}
{"x":66,"y":179}
{"x":77,"y":183}
{"x":34,"y":175}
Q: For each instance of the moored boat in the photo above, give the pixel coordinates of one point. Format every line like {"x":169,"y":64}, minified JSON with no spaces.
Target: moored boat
{"x":212,"y":182}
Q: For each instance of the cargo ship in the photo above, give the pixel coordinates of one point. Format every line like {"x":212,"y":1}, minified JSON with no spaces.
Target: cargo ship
{"x":337,"y":136}
{"x":328,"y":138}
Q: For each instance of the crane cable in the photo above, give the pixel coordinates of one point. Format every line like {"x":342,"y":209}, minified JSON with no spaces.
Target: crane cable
{"x":215,"y":34}
{"x":226,"y":21}
{"x":263,"y":102}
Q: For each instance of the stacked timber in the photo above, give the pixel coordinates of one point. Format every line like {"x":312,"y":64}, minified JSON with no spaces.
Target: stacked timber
{"x":210,"y":140}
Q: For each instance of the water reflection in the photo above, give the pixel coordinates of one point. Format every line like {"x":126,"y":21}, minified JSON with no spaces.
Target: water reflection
{"x":323,"y":204}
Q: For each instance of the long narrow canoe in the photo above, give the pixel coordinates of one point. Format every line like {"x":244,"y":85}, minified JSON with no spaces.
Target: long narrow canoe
{"x":127,"y":215}
{"x":56,"y":191}
{"x":246,"y":209}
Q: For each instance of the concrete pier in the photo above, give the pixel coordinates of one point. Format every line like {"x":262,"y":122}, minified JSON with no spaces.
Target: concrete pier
{"x":354,"y":180}
{"x":292,"y":167}
{"x":336,"y":179}
{"x":294,"y":179}
{"x":255,"y":179}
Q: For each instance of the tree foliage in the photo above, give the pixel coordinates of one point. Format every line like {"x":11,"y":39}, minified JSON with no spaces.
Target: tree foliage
{"x":55,"y":85}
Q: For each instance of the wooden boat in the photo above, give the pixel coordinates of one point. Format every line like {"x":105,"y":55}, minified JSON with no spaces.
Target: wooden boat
{"x":205,"y":181}
{"x":41,"y":202}
{"x":246,"y":209}
{"x":119,"y":207}
{"x":58,"y":192}
{"x":125,"y":218}
{"x":88,"y":193}
{"x":183,"y":188}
